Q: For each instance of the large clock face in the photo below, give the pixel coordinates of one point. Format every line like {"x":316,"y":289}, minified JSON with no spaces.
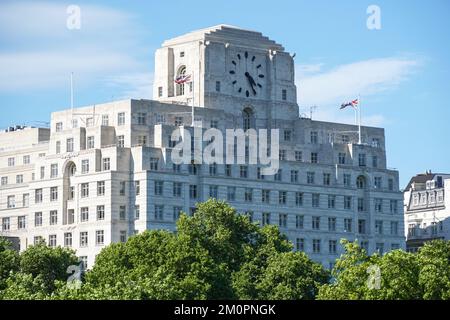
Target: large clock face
{"x":247,"y":76}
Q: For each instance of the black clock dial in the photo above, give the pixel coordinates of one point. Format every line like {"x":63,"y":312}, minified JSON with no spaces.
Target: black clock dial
{"x":247,"y":74}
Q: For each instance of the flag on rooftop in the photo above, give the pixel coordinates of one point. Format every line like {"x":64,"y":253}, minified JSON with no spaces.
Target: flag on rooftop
{"x":183,"y":78}
{"x":353,"y":103}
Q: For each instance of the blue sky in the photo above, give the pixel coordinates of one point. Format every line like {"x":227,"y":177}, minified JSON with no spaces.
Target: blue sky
{"x":402,"y":71}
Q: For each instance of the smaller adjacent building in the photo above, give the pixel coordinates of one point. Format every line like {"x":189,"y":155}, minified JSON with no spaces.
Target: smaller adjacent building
{"x":427,"y":209}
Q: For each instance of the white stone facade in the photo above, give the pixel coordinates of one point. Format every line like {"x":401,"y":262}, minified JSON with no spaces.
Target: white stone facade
{"x":329,"y":187}
{"x":427,"y":209}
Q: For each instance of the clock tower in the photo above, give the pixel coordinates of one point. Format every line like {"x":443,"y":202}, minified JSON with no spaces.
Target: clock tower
{"x":227,"y":68}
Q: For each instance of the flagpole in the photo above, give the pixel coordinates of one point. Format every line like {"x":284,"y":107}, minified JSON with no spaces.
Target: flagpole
{"x":359,"y":122}
{"x":71,"y":96}
{"x":193,"y":97}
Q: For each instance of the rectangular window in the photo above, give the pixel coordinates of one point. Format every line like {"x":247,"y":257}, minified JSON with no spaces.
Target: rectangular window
{"x":21,"y":222}
{"x":248,"y":195}
{"x":123,"y":236}
{"x":213,"y":192}
{"x":332,"y":244}
{"x":106,"y":164}
{"x":282,"y":195}
{"x":85,"y":190}
{"x":101,"y":212}
{"x":282,"y":155}
{"x":38,"y":196}
{"x":159,"y":187}
{"x":265,"y":218}
{"x":53,"y":217}
{"x":243,"y":171}
{"x":160,"y":91}
{"x":122,"y":212}
{"x":362,"y":159}
{"x":378,"y":227}
{"x":228,"y":170}
{"x":5,"y":224}
{"x":11,"y":202}
{"x":84,"y":214}
{"x":83,"y":239}
{"x":326,"y":179}
{"x":4,"y":181}
{"x":193,"y":191}
{"x":74,"y":123}
{"x":231,"y":193}
{"x":378,"y":205}
{"x":279,"y":175}
{"x":347,"y":180}
{"x":68,"y":239}
{"x":100,"y":188}
{"x":154,"y":164}
{"x":299,"y":221}
{"x":310,"y":177}
{"x":69,"y":145}
{"x":298,"y":156}
{"x":121,"y":141}
{"x":379,"y":247}
{"x":347,"y":202}
{"x":42,"y":173}
{"x":294,"y":176}
{"x":121,"y":118}
{"x":90,"y":142}
{"x":58,"y":147}
{"x":316,"y":245}
{"x":377,"y":182}
{"x":99,"y":237}
{"x":300,"y":244}
{"x":54,"y":170}
{"x":214,"y":124}
{"x":217,"y":86}
{"x":341,"y":158}
{"x":299,"y":199}
{"x":282,"y":220}
{"x":316,"y":223}
{"x":159,"y":212}
{"x":25,"y":200}
{"x":142,"y":118}
{"x":391,"y":184}
{"x":393,"y":205}
{"x":177,"y":212}
{"x":331,"y":224}
{"x":89,"y":122}
{"x":375,"y":161}
{"x":314,"y":137}
{"x":177,"y":187}
{"x":361,"y":226}
{"x":105,"y":120}
{"x":314,"y":157}
{"x":137,"y":211}
{"x":348,"y":225}
{"x":122,"y":188}
{"x":265,"y":196}
{"x":283,"y":94}
{"x":315,"y":200}
{"x":59,"y":127}
{"x":361,"y":205}
{"x":26,"y":159}
{"x":53,"y":193}
{"x":394,"y":228}
{"x":52,"y":240}
{"x":287,"y":135}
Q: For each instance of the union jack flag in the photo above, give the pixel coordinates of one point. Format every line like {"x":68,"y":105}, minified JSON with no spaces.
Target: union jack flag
{"x":183,"y":78}
{"x":353,"y":103}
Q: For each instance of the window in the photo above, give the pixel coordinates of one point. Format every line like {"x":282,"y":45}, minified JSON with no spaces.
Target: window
{"x":265,"y":196}
{"x":68,"y":239}
{"x":154,"y":164}
{"x":362,"y":159}
{"x":90,"y":144}
{"x":377,"y":182}
{"x":99,"y":237}
{"x":316,"y":245}
{"x":122,"y":212}
{"x":59,"y":127}
{"x":299,"y":221}
{"x":101,"y":212}
{"x":332,"y":244}
{"x":42,"y":172}
{"x":287,"y":135}
{"x":100,"y":188}
{"x":5,"y":224}
{"x":300,"y":244}
{"x":53,"y":193}
{"x":21,"y":222}
{"x":294,"y":176}
{"x":378,"y":205}
{"x":106,"y":164}
{"x":299,"y":199}
{"x":247,"y":119}
{"x":58,"y":147}
{"x":279,"y":175}
{"x":160,"y":91}
{"x":83,"y":239}
{"x":177,"y":212}
{"x":121,"y":141}
{"x":84,"y":216}
{"x":137,"y":211}
{"x":331,"y":224}
{"x":180,"y":86}
{"x":315,"y":200}
{"x":361,"y":182}
{"x":393,"y":205}
{"x":361,"y":205}
{"x":314,"y":137}
{"x":310,"y":177}
{"x":282,"y":195}
{"x":19,"y":178}
{"x":361,"y":226}
{"x":52,"y":240}
{"x":213,"y":169}
{"x":265,"y":218}
{"x":25,"y":200}
{"x":231,"y":193}
{"x":341,"y":158}
{"x":313,"y":157}
{"x":38,"y":219}
{"x":69,"y":145}
{"x":159,"y":212}
{"x":379,"y":247}
{"x":121,"y":118}
{"x":105,"y":120}
{"x":394,"y":228}
{"x":159,"y":186}
{"x":213,"y":191}
{"x":4,"y":181}
{"x":375,"y":161}
{"x":123,"y":236}
{"x":85,"y":190}
{"x":298,"y":156}
{"x":379,"y":227}
{"x":348,"y":225}
{"x":243,"y":170}
{"x":26,"y":159}
{"x":89,"y":122}
{"x":214,"y":124}
{"x":282,"y":220}
{"x":259,"y":176}
{"x":122,"y":188}
{"x":142,"y":118}
{"x":326,"y":179}
{"x":53,"y":220}
{"x":11,"y":202}
{"x":316,"y":223}
{"x":193,"y":191}
{"x":142,"y":140}
{"x":283,"y":94}
{"x":282,"y":155}
{"x":54,"y":170}
{"x":391,"y":184}
{"x":74,"y":123}
{"x":217,"y":86}
{"x":347,"y":202}
{"x":248,"y":195}
{"x":38,"y":195}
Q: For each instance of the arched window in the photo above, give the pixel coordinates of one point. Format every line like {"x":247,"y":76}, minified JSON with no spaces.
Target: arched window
{"x":180,"y":86}
{"x":71,"y":169}
{"x":361,"y":182}
{"x":247,"y":117}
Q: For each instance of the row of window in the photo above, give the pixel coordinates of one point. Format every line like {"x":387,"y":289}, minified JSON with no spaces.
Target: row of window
{"x":316,"y":245}
{"x":68,"y":239}
{"x":59,"y":127}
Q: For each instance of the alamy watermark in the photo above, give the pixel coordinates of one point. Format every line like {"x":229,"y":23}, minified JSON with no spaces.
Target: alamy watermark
{"x":373,"y":21}
{"x":73,"y":21}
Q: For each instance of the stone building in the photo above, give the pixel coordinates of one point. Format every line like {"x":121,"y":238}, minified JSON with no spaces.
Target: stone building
{"x":104,"y":172}
{"x":427,"y":209}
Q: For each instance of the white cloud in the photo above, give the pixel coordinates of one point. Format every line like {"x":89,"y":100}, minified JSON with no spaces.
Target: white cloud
{"x":328,"y":89}
{"x":136,"y":85}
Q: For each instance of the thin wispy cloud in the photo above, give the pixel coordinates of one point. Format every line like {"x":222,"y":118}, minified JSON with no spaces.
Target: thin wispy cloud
{"x":329,"y":88}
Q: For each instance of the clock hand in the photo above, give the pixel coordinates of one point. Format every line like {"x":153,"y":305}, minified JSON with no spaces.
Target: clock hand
{"x":251,"y":81}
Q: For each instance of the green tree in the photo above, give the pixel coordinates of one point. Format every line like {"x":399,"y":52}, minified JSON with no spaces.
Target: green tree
{"x":9,"y":261}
